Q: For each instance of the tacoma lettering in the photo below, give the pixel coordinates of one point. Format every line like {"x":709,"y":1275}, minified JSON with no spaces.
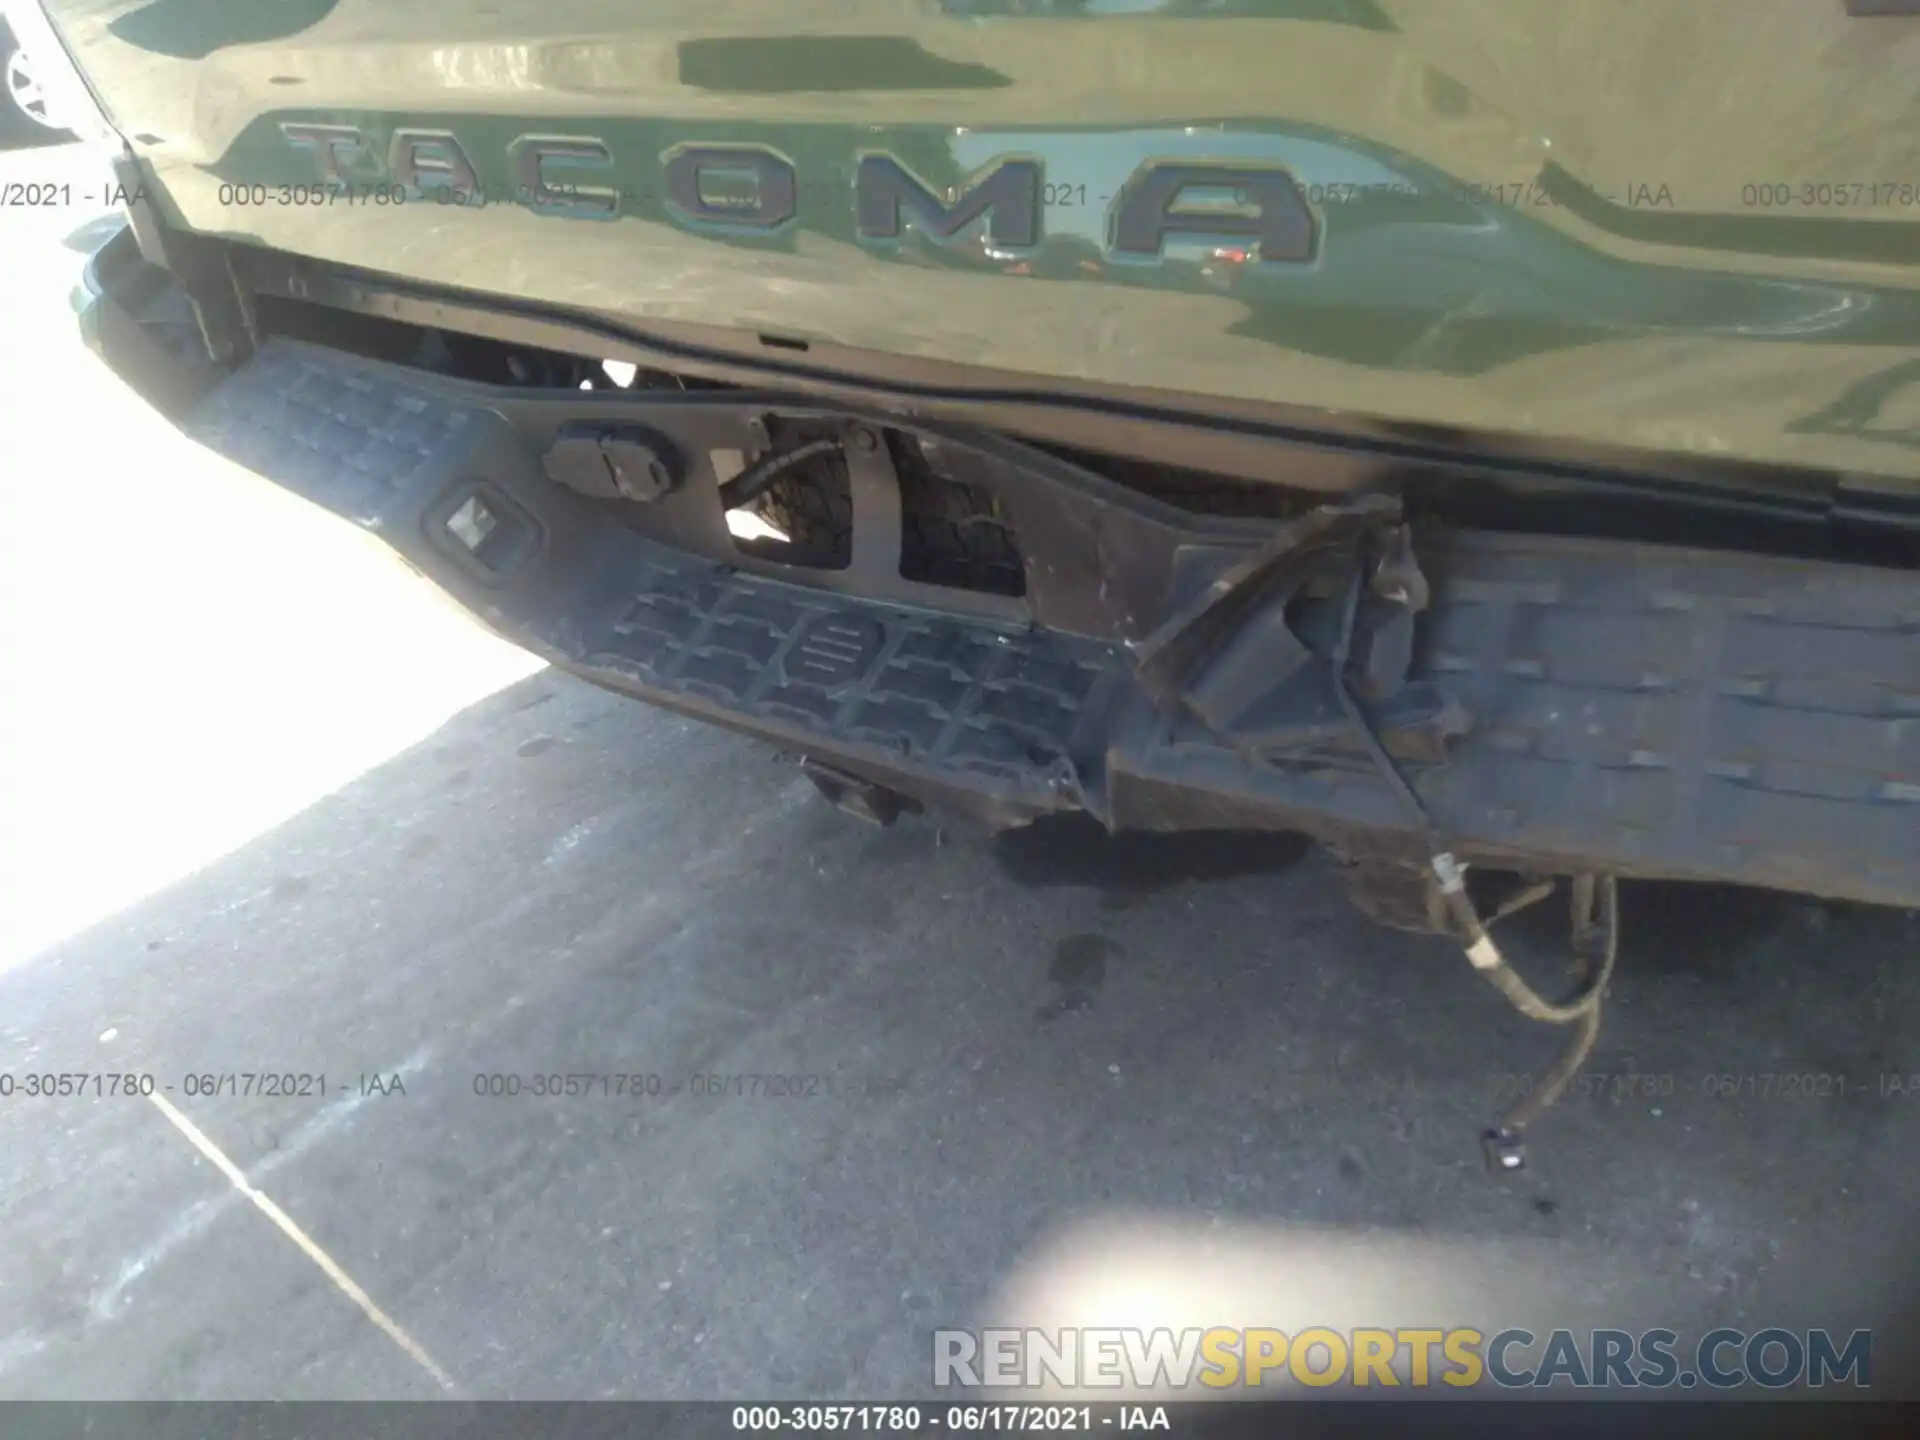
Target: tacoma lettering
{"x":423,"y":160}
{"x":537,"y":159}
{"x":1267,"y":207}
{"x":332,"y":146}
{"x":767,"y":203}
{"x":1008,"y":196}
{"x":752,"y":187}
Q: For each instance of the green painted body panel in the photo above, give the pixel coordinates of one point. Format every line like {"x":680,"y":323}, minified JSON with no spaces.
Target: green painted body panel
{"x":1687,"y":226}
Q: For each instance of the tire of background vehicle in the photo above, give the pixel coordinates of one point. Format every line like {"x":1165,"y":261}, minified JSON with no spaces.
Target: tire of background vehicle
{"x":13,"y":70}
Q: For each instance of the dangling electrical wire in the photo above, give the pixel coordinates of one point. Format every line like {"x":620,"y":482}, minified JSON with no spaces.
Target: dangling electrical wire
{"x":750,"y":484}
{"x":1595,"y":939}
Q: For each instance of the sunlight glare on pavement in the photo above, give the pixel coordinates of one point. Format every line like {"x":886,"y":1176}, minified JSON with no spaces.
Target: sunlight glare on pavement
{"x":191,"y":655}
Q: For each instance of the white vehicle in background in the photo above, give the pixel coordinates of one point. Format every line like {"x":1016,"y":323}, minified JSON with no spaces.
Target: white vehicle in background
{"x":27,"y":98}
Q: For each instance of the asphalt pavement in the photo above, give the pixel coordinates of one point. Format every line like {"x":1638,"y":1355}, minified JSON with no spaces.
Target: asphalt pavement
{"x":276,"y":811}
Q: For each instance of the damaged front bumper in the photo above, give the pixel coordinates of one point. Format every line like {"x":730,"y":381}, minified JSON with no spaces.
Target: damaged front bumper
{"x":1559,"y":705}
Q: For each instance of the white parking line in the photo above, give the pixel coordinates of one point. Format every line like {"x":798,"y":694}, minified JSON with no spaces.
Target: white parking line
{"x":106,"y":1302}
{"x":344,"y":1282}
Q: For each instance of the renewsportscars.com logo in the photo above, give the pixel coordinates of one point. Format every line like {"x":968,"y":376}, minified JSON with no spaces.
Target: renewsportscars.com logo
{"x":1319,"y":1357}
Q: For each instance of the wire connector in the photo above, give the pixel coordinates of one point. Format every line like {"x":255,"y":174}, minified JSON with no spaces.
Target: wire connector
{"x":1451,"y":874}
{"x":1483,"y":954}
{"x":1504,"y":1150}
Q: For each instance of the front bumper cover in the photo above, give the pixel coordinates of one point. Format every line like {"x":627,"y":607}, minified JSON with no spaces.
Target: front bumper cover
{"x":1630,"y":709}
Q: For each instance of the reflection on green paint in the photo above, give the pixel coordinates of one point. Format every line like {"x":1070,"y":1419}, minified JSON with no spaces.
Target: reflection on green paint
{"x":1365,"y":14}
{"x":1416,"y":271}
{"x":195,"y":29}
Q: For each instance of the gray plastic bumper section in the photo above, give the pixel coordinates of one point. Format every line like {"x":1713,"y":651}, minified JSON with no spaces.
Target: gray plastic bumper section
{"x":1636,"y":709}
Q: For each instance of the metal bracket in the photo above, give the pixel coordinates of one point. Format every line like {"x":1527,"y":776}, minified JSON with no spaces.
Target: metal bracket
{"x":1259,"y":654}
{"x":862,"y":799}
{"x":223,"y":307}
{"x":876,"y":504}
{"x":611,"y":462}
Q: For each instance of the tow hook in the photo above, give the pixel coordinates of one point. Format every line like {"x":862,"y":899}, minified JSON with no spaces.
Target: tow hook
{"x":862,"y":799}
